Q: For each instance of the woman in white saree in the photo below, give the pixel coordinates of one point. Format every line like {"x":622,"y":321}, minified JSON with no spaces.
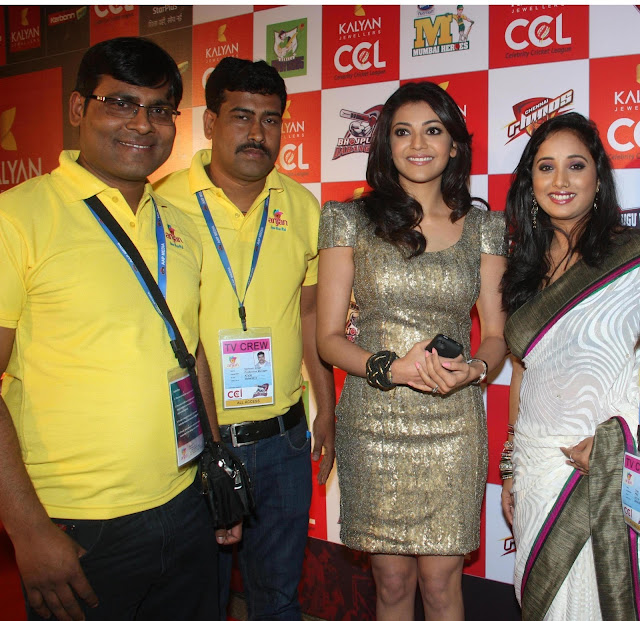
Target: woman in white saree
{"x":572,"y":291}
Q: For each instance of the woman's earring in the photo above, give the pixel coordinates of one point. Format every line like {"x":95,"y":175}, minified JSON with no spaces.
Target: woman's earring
{"x":595,"y":200}
{"x":534,"y":211}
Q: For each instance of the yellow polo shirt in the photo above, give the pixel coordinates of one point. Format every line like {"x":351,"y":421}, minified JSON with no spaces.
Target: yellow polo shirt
{"x":86,"y":383}
{"x":288,"y":261}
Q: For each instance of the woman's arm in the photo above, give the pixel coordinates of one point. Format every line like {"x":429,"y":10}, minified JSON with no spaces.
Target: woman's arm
{"x":514,"y":406}
{"x":448,"y":375}
{"x":335,"y":281}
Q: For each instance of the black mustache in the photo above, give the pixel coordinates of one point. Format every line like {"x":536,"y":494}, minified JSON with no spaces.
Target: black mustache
{"x":253,"y":145}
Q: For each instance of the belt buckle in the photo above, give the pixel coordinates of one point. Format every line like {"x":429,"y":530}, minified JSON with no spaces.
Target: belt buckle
{"x":232,"y":431}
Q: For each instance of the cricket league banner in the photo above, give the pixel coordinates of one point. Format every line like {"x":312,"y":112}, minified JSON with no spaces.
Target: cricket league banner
{"x":509,"y":68}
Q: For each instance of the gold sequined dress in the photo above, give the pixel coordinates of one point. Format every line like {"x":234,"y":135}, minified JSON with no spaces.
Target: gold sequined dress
{"x":412,"y":467}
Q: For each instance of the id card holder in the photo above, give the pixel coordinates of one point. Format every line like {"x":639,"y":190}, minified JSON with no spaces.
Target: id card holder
{"x":631,"y":490}
{"x":186,"y":420}
{"x":247,"y":367}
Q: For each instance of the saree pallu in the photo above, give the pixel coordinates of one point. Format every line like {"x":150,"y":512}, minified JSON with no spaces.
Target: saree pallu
{"x":588,"y":507}
{"x":579,"y":562}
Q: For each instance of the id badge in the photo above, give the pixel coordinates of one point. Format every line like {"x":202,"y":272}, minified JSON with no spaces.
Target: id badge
{"x":631,"y":490}
{"x":247,"y":367}
{"x":186,"y":421}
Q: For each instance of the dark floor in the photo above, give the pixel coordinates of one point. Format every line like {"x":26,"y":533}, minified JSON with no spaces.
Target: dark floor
{"x":485,"y":600}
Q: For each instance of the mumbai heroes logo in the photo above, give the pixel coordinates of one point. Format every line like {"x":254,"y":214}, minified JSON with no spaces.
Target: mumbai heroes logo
{"x":531,"y":113}
{"x":433,"y":34}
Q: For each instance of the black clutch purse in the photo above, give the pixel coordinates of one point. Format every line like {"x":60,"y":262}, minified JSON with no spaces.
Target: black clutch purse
{"x":225,"y":485}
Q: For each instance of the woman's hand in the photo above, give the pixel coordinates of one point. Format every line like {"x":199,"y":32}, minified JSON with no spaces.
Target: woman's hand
{"x":507,"y":500}
{"x":578,"y":455}
{"x":404,"y":370}
{"x":442,"y":375}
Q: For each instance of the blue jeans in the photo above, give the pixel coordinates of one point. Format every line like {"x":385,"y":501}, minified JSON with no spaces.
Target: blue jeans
{"x":156,"y":565}
{"x":273,"y":541}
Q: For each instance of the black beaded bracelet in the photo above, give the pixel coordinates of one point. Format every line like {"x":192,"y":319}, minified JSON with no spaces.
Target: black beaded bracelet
{"x":378,"y":366}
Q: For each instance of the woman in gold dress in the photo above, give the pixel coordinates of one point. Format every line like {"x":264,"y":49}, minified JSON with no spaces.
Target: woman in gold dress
{"x":411,"y":433}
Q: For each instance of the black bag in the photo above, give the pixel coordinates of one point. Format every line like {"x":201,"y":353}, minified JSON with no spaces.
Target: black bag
{"x":225,"y":484}
{"x":225,"y":481}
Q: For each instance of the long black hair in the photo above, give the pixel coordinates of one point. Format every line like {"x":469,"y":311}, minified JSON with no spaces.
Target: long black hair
{"x":528,"y":266}
{"x":395,"y":213}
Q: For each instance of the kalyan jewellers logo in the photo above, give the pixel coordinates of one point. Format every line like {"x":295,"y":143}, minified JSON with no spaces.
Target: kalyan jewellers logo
{"x":14,"y":171}
{"x":25,"y":36}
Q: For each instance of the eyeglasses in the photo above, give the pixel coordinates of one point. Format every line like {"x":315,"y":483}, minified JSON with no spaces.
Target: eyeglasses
{"x":123,"y":109}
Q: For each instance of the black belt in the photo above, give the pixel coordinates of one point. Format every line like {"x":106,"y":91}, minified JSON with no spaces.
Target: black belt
{"x":250,"y":432}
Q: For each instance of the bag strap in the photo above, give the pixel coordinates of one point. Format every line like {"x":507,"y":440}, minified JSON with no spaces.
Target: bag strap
{"x":185,"y":359}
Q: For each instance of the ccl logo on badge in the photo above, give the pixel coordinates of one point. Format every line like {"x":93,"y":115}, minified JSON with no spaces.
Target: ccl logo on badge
{"x":234,"y":394}
{"x":522,"y":33}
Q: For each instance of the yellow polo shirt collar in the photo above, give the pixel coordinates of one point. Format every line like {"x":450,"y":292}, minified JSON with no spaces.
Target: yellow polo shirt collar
{"x":76,"y":183}
{"x":199,"y":181}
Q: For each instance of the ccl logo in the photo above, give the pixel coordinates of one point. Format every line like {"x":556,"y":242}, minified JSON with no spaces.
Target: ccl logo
{"x":234,"y":394}
{"x":114,"y":9}
{"x":292,"y":157}
{"x":521,"y":33}
{"x":620,"y":135}
{"x":347,"y":57}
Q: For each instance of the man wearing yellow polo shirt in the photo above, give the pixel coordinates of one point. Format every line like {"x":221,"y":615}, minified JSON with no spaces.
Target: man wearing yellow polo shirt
{"x":259,"y":231}
{"x":99,"y":504}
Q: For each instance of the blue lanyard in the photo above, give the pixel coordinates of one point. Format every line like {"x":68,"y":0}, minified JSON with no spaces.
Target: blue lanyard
{"x":224,"y":257}
{"x":162,"y":262}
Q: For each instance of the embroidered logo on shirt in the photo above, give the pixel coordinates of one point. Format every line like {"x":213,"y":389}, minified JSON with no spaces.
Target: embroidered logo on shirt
{"x":277,"y":222}
{"x":174,"y":240}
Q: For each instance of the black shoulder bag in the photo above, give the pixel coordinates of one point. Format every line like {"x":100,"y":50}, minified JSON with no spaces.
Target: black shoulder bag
{"x":225,"y":481}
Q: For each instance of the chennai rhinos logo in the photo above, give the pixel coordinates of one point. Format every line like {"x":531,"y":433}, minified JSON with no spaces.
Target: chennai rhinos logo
{"x":531,"y":113}
{"x":277,"y":222}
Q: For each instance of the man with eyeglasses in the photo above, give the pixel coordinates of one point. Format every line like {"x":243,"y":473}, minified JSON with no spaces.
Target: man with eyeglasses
{"x":95,"y":494}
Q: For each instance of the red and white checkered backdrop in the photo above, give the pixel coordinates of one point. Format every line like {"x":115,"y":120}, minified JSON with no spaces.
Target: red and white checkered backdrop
{"x":507,"y":67}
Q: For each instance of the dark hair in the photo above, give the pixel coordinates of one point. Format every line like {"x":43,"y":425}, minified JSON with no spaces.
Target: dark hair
{"x":239,"y":74}
{"x":528,"y":266}
{"x":133,"y":60}
{"x":395,"y":213}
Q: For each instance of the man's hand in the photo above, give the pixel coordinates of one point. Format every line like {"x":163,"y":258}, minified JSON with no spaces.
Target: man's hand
{"x":50,"y":568}
{"x":227,"y":537}
{"x":324,"y":433}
